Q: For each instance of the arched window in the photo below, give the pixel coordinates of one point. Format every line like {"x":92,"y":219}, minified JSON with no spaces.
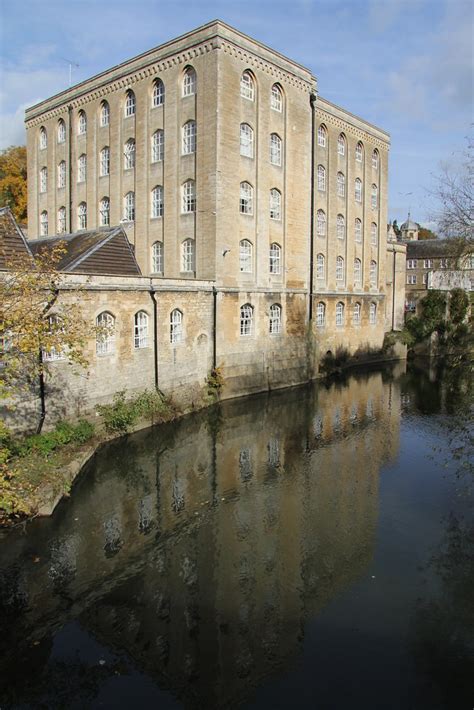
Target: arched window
{"x":339,"y":313}
{"x":321,"y":178}
{"x":157,"y":258}
{"x":339,"y":268}
{"x":321,"y":223}
{"x":43,"y":138}
{"x":375,"y":159}
{"x":374,"y":197}
{"x":157,"y":205}
{"x":246,"y":319}
{"x":82,"y":216}
{"x":129,"y":154}
{"x":373,"y":313}
{"x":275,"y":319}
{"x":341,"y":144}
{"x":130,"y":104}
{"x":275,"y":258}
{"x":140,"y":330}
{"x":104,"y":116}
{"x":105,"y":337}
{"x":373,"y":273}
{"x":55,"y":326}
{"x":82,"y":168}
{"x":81,"y":123}
{"x":247,"y":86}
{"x":157,"y":146}
{"x":356,"y":314}
{"x":61,"y":220}
{"x":275,"y":149}
{"x":359,"y":152}
{"x":187,"y":256}
{"x":245,"y":256}
{"x":43,"y":179}
{"x":321,"y":314}
{"x":189,"y":82}
{"x":357,"y":272}
{"x":105,"y":161}
{"x":340,"y":227}
{"x":358,"y":190}
{"x":158,"y":95}
{"x":104,"y":212}
{"x":176,"y":326}
{"x":358,"y":230}
{"x":44,"y":224}
{"x":62,"y":174}
{"x":246,"y":140}
{"x":129,"y":207}
{"x":189,"y":137}
{"x":275,"y":204}
{"x":373,"y":234}
{"x":276,"y":101}
{"x":246,"y":198}
{"x":61,"y":131}
{"x":189,"y":196}
{"x":341,"y":185}
{"x":320,"y":267}
{"x":322,"y":135}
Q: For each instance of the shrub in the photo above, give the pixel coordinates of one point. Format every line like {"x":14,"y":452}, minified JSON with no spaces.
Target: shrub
{"x":458,"y":305}
{"x":119,"y":416}
{"x":215,"y":381}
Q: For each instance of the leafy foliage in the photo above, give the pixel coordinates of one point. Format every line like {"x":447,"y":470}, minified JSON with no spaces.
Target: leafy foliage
{"x":122,"y":414}
{"x":215,"y":381}
{"x":425,"y":233}
{"x":13,"y":181}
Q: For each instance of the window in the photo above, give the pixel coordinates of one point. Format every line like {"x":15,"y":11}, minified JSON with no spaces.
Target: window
{"x":275,"y":319}
{"x":275,"y":204}
{"x":341,"y":144}
{"x":340,"y":227}
{"x":43,"y":138}
{"x":276,"y":101}
{"x":245,"y":256}
{"x":81,"y":168}
{"x":358,"y":190}
{"x":189,"y":82}
{"x":341,"y":185}
{"x":321,"y":314}
{"x":375,"y":159}
{"x":373,"y":313}
{"x":373,"y":234}
{"x":247,"y":86}
{"x":104,"y":114}
{"x":275,"y":258}
{"x":140,"y":330}
{"x":130,"y":104}
{"x":61,"y":220}
{"x":321,"y":178}
{"x":411,"y":279}
{"x":104,"y":210}
{"x":81,"y":123}
{"x":129,"y":154}
{"x":339,"y":313}
{"x":339,"y":269}
{"x":82,"y":216}
{"x":320,"y":267}
{"x":158,"y":95}
{"x":275,"y":149}
{"x":61,"y":131}
{"x":157,"y":146}
{"x":105,"y":161}
{"x":356,"y":314}
{"x":53,"y":353}
{"x":246,"y":140}
{"x":189,"y":196}
{"x":321,"y":223}
{"x":374,"y":197}
{"x":358,"y":230}
{"x":373,"y":273}
{"x":322,"y":136}
{"x":157,"y":258}
{"x":129,"y":207}
{"x":246,"y":319}
{"x":357,"y":272}
{"x":411,"y":263}
{"x":359,"y":152}
{"x":189,"y":137}
{"x":425,"y":278}
{"x":43,"y":179}
{"x":157,"y":202}
{"x":443,"y":264}
{"x":428,"y":263}
{"x":62,"y":174}
{"x":246,"y":198}
{"x":187,"y":254}
{"x":44,"y":224}
{"x":176,"y":326}
{"x":105,"y":338}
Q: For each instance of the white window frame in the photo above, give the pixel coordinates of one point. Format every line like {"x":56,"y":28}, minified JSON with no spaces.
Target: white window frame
{"x":322,"y":135}
{"x":105,"y":161}
{"x":158,"y":146}
{"x":44,"y":223}
{"x":140,"y":330}
{"x":411,"y":279}
{"x":358,"y":230}
{"x":61,"y":131}
{"x":372,"y":313}
{"x":356,"y":313}
{"x":358,"y":190}
{"x":245,"y":256}
{"x":340,"y":227}
{"x":43,"y":179}
{"x":321,"y":223}
{"x":129,"y":154}
{"x":189,"y":82}
{"x":247,"y":86}
{"x":157,"y":257}
{"x":359,"y":152}
{"x":246,"y":320}
{"x":105,"y":342}
{"x":61,"y":217}
{"x":374,"y":197}
{"x":340,"y":314}
{"x":61,"y":174}
{"x":129,"y":206}
{"x":158,"y":94}
{"x":321,"y":178}
{"x":81,"y":123}
{"x":275,"y":258}
{"x":375,"y":159}
{"x":53,"y":355}
{"x":246,"y":140}
{"x":82,"y":168}
{"x":341,"y":144}
{"x":157,"y":202}
{"x":320,"y":267}
{"x":373,"y":273}
{"x":275,"y":149}
{"x":341,"y":184}
{"x":275,"y":204}
{"x":374,"y":234}
{"x":43,"y":138}
{"x":427,"y":263}
{"x":340,"y":271}
{"x":104,"y":114}
{"x":321,"y":314}
{"x":104,"y":212}
{"x":187,"y":256}
{"x":357,"y":272}
{"x":246,"y":198}
{"x":189,"y":138}
{"x":444,"y":263}
{"x":130,"y":105}
{"x":412,"y":263}
{"x":188,"y":197}
{"x":275,"y":319}
{"x":82,"y":215}
{"x":176,"y":326}
{"x":276,"y":98}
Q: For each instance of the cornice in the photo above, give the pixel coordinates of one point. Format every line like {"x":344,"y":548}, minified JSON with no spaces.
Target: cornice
{"x":375,"y":135}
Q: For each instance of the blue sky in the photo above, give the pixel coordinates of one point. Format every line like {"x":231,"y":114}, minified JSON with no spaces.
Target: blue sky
{"x":405,"y":65}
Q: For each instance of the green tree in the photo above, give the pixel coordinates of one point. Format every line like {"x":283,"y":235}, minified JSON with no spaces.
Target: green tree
{"x":13,"y":182}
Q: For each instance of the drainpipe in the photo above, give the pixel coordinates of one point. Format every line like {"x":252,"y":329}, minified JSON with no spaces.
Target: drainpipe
{"x":155,"y":333}
{"x":69,"y":110}
{"x":42,"y":389}
{"x":393,"y":287}
{"x":214,"y":328}
{"x":312,"y":101}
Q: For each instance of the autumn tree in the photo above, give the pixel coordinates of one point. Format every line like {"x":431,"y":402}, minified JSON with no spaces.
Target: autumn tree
{"x":425,"y":233}
{"x":13,"y":183}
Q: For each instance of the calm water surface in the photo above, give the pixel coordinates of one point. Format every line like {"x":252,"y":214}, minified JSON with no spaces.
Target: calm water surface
{"x":312,"y":548}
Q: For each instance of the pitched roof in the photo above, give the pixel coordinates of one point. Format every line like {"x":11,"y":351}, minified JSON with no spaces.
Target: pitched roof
{"x":425,"y":248}
{"x":105,"y":251}
{"x":12,"y":239}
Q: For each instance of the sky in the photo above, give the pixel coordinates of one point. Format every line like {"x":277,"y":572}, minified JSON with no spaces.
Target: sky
{"x":404,"y":65}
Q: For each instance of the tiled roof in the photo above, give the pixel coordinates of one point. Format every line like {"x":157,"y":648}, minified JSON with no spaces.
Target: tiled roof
{"x":12,"y":240}
{"x":438,"y":248}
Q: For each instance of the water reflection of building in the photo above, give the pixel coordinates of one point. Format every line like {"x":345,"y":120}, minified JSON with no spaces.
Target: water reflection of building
{"x":202,"y":548}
